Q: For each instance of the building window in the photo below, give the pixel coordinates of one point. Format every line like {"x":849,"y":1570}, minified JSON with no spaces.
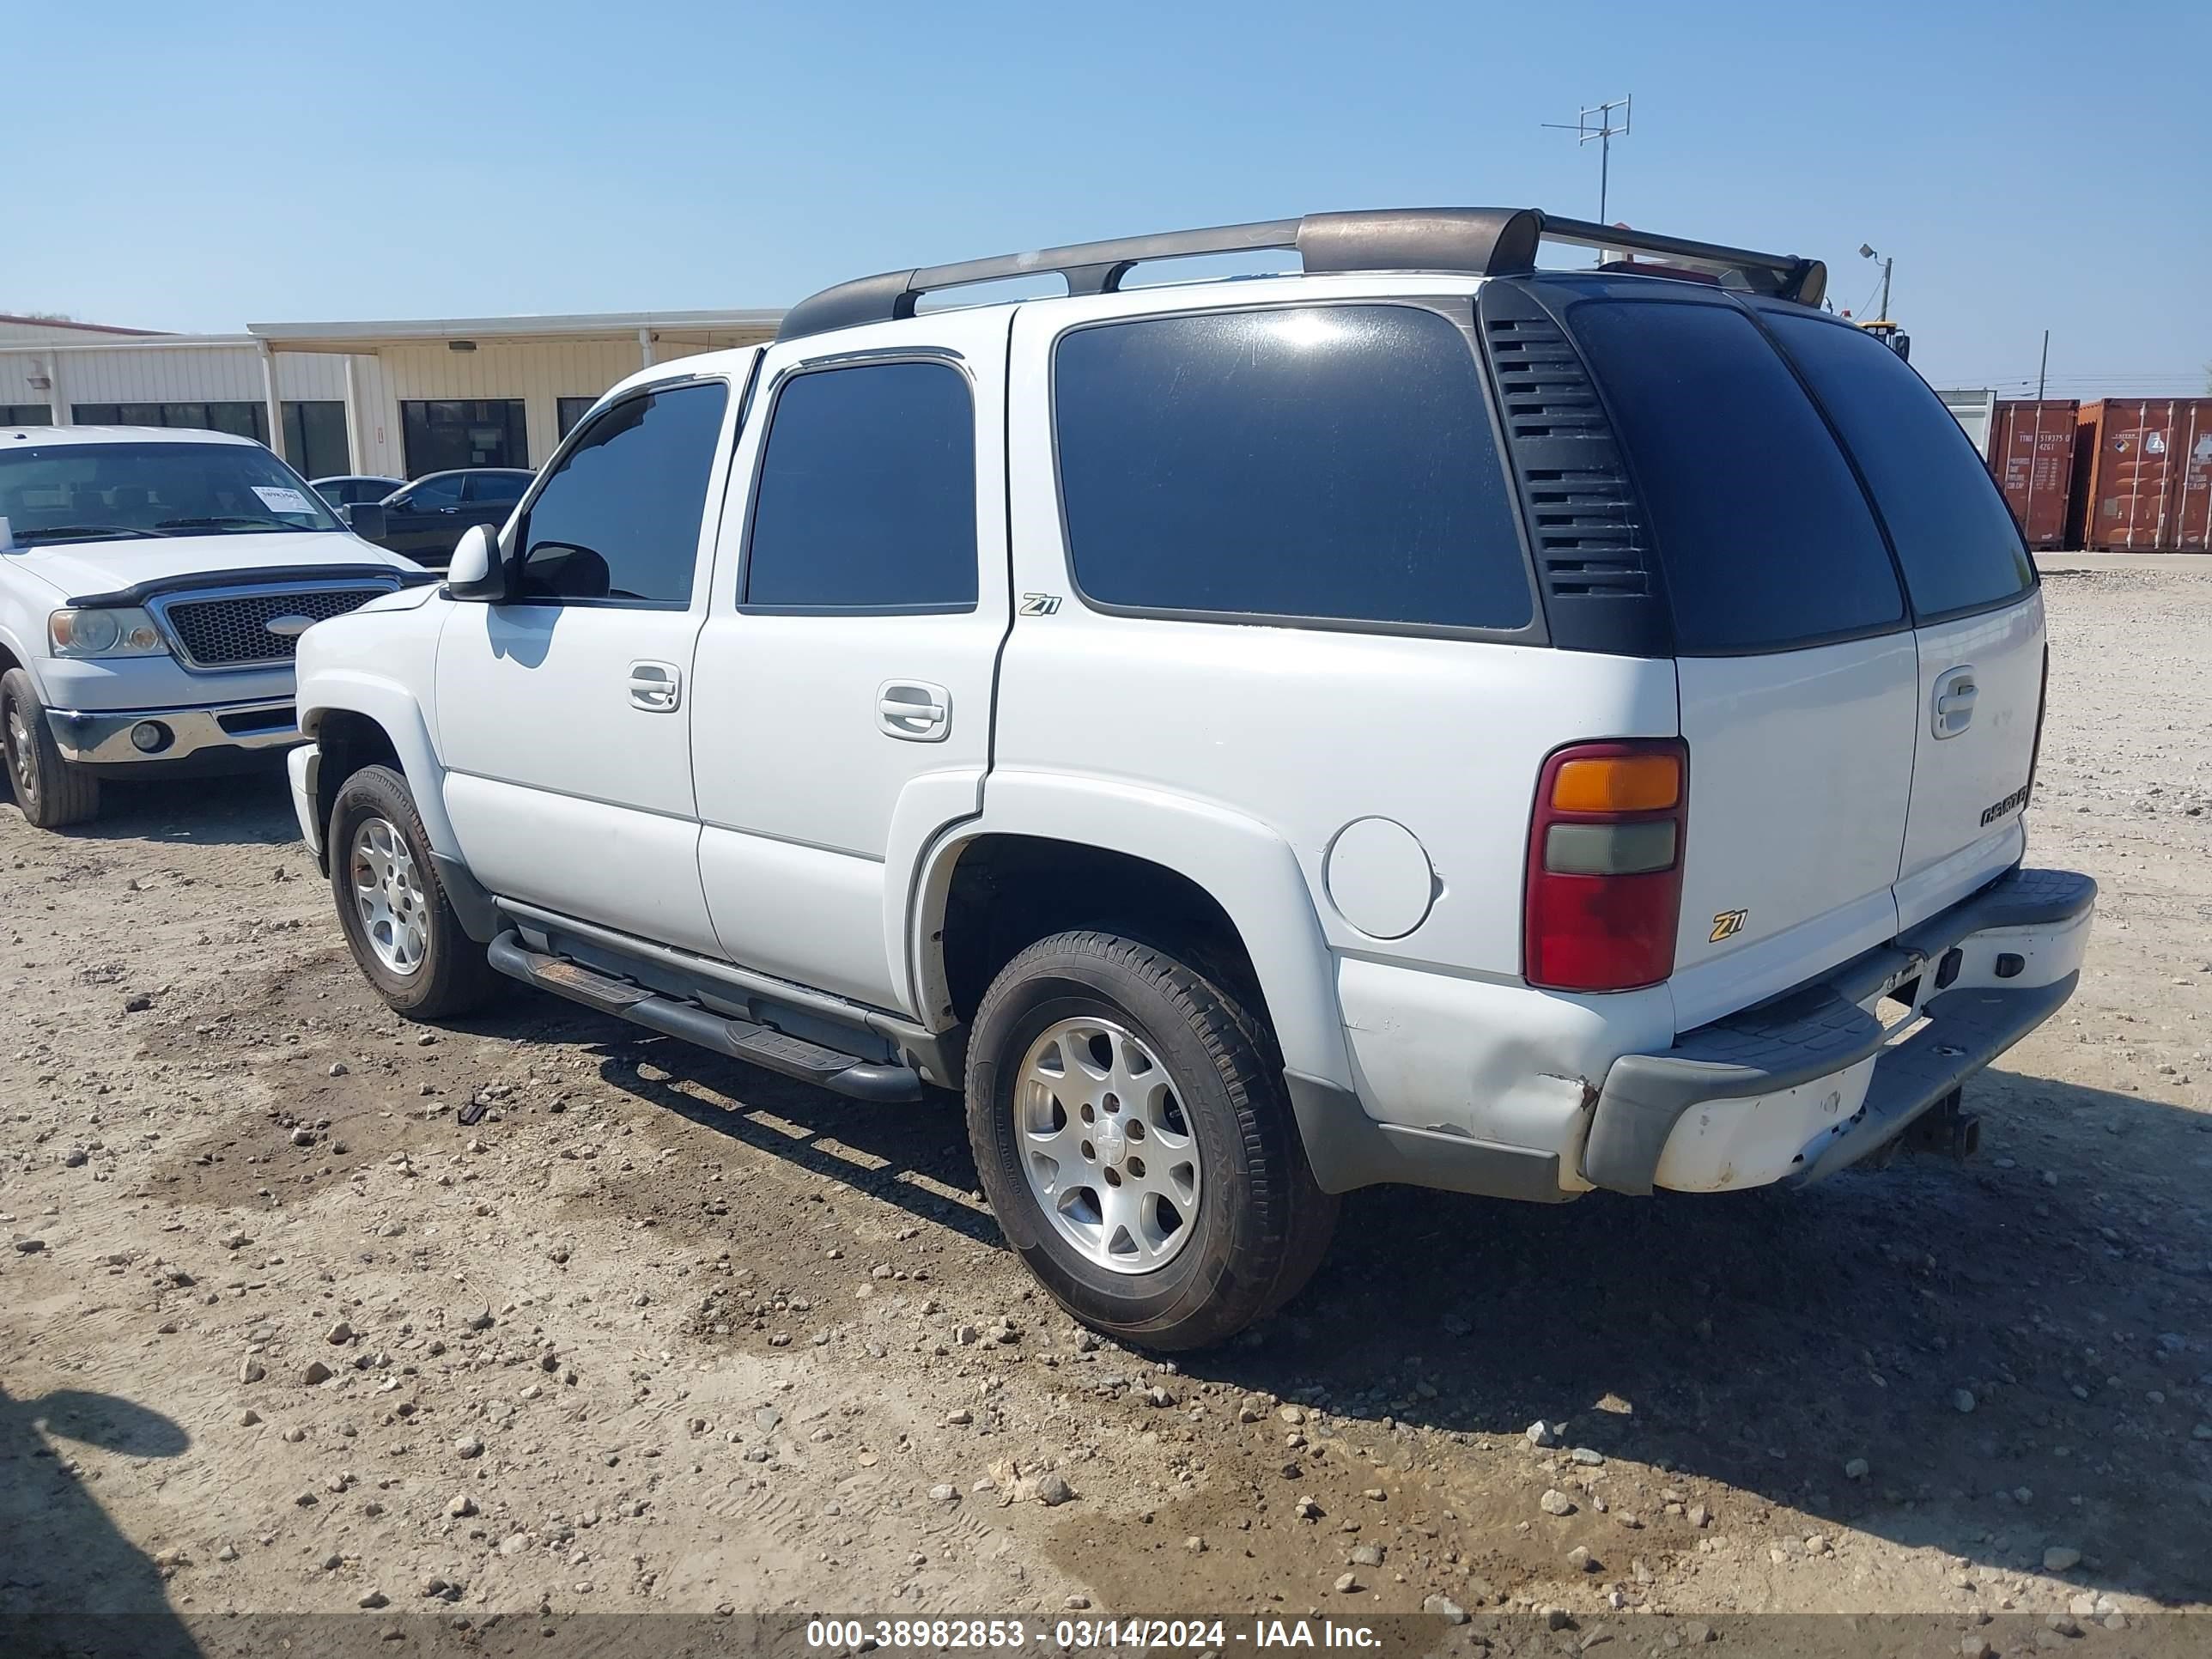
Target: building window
{"x":315,"y":438}
{"x":242,"y":420}
{"x":30,"y":415}
{"x":573,"y":409}
{"x":440,"y":435}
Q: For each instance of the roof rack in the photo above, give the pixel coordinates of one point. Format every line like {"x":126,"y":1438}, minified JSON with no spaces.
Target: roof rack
{"x":1477,"y":242}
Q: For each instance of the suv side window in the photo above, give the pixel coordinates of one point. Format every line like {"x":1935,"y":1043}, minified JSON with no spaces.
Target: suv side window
{"x":1766,"y":537}
{"x":866,"y":497}
{"x":430,"y":494}
{"x":619,"y":519}
{"x":1320,"y":462}
{"x":506,"y":487}
{"x":1953,"y":532}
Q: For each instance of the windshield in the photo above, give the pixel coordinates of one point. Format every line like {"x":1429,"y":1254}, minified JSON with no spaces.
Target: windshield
{"x":119,"y":491}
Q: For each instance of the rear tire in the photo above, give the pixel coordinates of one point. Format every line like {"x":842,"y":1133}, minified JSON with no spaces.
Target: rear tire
{"x":1175,"y":1233}
{"x":397,"y":918}
{"x":51,"y":792}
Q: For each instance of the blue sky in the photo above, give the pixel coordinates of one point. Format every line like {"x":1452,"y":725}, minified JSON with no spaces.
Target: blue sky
{"x":2029,"y":165}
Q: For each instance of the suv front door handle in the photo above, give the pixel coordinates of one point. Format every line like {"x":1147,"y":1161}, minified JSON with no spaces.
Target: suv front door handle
{"x":656,"y":687}
{"x":914,"y":710}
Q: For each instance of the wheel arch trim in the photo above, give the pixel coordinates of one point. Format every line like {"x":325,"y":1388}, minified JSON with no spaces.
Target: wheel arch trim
{"x":1248,"y":869}
{"x":397,"y":713}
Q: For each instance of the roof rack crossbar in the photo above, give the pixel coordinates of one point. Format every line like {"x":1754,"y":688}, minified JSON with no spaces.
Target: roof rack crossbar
{"x":1479,"y":241}
{"x":1783,"y":273}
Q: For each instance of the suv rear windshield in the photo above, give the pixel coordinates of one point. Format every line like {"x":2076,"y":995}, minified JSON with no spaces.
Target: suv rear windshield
{"x":1953,"y":534}
{"x":1766,"y":536}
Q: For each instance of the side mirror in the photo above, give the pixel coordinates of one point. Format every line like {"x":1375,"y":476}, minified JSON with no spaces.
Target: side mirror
{"x":477,"y":571}
{"x":365,"y":519}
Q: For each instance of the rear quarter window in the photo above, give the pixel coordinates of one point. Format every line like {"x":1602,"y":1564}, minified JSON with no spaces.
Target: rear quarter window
{"x":1320,"y":463}
{"x":1954,"y":537}
{"x":1763,"y":535}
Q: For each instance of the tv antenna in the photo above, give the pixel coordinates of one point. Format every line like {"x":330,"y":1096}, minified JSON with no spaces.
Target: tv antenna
{"x":1596,"y":124}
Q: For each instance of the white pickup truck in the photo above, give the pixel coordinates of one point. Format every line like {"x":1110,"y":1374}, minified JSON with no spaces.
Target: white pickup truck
{"x":1427,"y":719}
{"x":154,"y":585}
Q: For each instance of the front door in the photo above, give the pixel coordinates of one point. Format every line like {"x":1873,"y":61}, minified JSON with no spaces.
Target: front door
{"x":844,"y":678}
{"x":565,"y":713}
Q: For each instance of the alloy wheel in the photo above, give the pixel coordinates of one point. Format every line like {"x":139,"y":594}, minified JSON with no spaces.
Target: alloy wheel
{"x":1106,"y":1145}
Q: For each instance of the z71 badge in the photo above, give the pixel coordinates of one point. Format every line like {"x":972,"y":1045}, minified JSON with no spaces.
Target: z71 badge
{"x":1727,"y":924}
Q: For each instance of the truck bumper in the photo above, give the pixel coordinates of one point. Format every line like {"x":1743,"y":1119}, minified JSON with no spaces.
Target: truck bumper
{"x":138,"y":736}
{"x":1812,"y":1082}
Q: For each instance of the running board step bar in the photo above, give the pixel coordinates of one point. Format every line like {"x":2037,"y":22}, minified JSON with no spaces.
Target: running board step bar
{"x":773,"y":1050}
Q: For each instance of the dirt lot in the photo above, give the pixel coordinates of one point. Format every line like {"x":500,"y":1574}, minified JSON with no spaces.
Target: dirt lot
{"x":659,"y":1332}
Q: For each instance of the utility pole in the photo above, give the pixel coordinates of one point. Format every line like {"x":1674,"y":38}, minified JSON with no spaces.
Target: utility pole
{"x":1595,"y":122}
{"x":1866,"y":252}
{"x":2043,"y":369}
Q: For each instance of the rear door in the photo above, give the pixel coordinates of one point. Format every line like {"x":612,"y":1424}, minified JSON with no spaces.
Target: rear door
{"x":1799,"y":678}
{"x":422,"y":522}
{"x":845,"y":672}
{"x":1979,"y":613}
{"x":488,"y":498}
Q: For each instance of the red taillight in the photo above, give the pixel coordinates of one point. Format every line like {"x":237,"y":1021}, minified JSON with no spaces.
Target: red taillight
{"x":1605,"y":887}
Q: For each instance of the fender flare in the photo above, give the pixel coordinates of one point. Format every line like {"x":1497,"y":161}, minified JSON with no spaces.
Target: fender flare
{"x":1250,"y":869}
{"x":394,"y":709}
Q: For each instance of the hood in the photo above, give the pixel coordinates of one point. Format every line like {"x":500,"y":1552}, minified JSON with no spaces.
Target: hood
{"x":81,"y":569}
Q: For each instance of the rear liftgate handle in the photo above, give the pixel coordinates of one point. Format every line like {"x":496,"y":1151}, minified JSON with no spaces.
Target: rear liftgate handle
{"x":1954,"y":702}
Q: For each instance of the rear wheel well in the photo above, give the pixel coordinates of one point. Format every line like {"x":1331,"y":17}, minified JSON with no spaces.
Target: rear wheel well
{"x":348,"y":742}
{"x":1008,"y":892}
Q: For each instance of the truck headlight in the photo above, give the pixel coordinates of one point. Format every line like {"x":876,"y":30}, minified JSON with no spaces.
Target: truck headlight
{"x":120,"y":633}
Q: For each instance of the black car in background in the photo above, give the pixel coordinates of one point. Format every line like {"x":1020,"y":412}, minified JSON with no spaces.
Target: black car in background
{"x":425,"y":520}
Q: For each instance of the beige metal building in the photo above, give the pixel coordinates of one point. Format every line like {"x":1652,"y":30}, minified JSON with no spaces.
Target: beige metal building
{"x":398,"y":399}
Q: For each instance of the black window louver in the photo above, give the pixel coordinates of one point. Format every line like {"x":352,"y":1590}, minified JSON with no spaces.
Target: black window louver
{"x":1593,"y":550}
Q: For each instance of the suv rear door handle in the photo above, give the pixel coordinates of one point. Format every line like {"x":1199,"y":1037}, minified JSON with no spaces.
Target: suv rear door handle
{"x":656,"y":687}
{"x":1954,"y":702}
{"x":914,"y":710}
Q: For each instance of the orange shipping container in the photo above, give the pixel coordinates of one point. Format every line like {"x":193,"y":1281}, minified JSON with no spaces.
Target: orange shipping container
{"x":2032,"y":457}
{"x":2145,"y":473}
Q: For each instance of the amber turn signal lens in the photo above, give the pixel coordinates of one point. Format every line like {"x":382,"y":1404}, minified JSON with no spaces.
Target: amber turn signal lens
{"x":1618,"y":783}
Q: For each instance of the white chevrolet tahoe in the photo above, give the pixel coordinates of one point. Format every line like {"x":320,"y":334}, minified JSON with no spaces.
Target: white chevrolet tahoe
{"x":1422,"y":719}
{"x":153,"y":584}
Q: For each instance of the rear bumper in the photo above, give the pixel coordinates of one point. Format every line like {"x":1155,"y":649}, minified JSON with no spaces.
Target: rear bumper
{"x":1812,"y":1082}
{"x":102,"y":736}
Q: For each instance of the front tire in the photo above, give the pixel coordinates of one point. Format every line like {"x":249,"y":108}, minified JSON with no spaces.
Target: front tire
{"x":51,"y":792}
{"x":1136,"y":1144}
{"x":397,"y":918}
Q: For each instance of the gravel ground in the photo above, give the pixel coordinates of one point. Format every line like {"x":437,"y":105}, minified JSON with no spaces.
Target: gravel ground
{"x":279,"y":1332}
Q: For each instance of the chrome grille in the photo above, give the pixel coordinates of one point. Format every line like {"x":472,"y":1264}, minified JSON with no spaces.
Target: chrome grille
{"x":230,"y":630}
